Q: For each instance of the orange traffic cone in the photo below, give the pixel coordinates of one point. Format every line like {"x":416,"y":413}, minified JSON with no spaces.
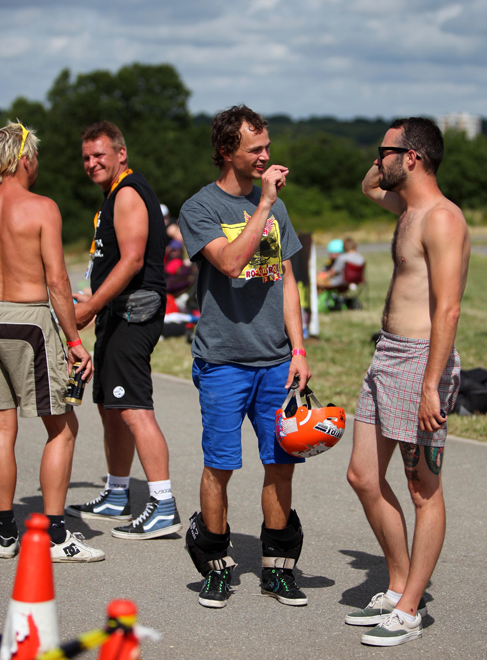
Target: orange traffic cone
{"x":31,"y":625}
{"x":122,"y":644}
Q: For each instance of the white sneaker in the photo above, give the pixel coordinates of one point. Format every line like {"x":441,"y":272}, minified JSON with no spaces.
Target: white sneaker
{"x":377,"y":611}
{"x":75,"y":549}
{"x":393,"y":631}
{"x":9,"y":547}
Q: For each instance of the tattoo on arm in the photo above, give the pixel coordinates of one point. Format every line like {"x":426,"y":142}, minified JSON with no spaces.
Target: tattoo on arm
{"x":434,"y":458}
{"x":410,"y":456}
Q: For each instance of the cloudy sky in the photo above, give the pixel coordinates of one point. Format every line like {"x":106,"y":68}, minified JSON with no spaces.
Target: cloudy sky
{"x":313,"y":57}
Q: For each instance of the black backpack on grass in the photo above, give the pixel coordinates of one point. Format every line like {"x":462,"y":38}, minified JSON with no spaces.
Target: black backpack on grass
{"x":472,"y":397}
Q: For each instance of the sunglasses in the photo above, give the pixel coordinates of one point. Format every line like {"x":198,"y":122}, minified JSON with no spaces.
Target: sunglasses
{"x":25,"y":133}
{"x":397,"y":150}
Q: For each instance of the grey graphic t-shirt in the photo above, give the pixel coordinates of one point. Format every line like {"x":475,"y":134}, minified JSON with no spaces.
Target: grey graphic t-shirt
{"x":242,"y":320}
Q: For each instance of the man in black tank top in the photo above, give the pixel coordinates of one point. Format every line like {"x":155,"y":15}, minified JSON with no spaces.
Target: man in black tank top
{"x":128,"y":299}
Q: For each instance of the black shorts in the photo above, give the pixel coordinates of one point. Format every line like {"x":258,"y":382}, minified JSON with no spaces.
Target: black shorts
{"x":122,"y":376}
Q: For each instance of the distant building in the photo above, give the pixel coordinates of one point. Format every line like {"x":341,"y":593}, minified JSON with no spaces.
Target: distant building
{"x":471,"y":125}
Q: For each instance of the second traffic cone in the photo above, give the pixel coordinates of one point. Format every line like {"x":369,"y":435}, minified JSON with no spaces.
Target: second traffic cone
{"x":122,"y":644}
{"x":31,"y":625}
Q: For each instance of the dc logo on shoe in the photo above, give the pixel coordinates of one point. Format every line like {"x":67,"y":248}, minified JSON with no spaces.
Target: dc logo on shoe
{"x":71,"y":550}
{"x":119,"y":392}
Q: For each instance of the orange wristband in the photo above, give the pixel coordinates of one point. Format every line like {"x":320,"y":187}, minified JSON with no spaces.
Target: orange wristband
{"x":72,"y":344}
{"x":299,"y":351}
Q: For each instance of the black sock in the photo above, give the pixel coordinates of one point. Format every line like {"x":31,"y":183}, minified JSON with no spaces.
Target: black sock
{"x":57,"y":530}
{"x":8,"y":526}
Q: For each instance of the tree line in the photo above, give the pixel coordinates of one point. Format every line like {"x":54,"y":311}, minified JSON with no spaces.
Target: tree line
{"x":327,"y":157}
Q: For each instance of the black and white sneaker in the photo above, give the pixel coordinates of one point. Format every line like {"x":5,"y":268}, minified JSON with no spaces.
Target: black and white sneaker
{"x":9,"y":547}
{"x":216,"y":588}
{"x":109,"y":505}
{"x":160,"y":518}
{"x":280,"y":583}
{"x":75,"y":549}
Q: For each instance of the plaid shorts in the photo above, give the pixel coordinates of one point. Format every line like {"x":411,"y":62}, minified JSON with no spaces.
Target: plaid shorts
{"x":391,"y":391}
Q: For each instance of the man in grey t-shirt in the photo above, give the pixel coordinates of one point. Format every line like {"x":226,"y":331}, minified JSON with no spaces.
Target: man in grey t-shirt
{"x":248,"y":348}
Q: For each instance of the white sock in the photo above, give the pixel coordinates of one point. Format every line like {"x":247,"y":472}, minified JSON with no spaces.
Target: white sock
{"x":409,"y":617}
{"x":117,"y":483}
{"x":161,"y":490}
{"x":392,"y":595}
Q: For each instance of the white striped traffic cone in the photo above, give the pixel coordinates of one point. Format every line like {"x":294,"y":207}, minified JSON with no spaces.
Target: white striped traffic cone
{"x":31,"y":625}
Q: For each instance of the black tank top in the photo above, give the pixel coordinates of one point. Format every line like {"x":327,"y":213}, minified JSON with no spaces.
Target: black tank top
{"x":107,"y":253}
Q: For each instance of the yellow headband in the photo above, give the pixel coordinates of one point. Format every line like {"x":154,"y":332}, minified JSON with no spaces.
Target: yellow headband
{"x":25,"y":133}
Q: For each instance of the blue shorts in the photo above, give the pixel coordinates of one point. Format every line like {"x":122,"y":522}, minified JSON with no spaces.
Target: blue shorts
{"x":228,"y":392}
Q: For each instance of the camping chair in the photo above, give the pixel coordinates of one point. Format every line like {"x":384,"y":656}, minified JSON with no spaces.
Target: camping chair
{"x":355,"y":285}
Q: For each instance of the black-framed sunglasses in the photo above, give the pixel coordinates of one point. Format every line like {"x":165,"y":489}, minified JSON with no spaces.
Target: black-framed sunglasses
{"x":397,"y":150}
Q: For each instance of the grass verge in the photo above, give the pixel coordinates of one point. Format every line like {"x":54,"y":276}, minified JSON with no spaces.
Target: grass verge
{"x":341,"y":355}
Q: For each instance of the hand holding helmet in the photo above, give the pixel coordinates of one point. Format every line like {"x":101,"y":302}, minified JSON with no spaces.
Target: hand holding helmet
{"x":305,"y":431}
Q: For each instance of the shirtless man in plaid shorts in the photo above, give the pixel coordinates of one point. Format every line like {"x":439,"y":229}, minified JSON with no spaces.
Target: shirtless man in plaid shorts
{"x":413,"y":380}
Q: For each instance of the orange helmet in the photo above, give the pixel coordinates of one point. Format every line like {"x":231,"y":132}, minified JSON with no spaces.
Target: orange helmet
{"x":303,"y":431}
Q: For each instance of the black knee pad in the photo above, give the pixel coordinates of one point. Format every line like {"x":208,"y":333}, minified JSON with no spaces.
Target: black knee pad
{"x":281,"y":547}
{"x":207,"y":550}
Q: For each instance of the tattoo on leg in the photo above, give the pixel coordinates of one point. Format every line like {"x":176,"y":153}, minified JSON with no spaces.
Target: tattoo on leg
{"x":410,"y":456}
{"x":434,"y":458}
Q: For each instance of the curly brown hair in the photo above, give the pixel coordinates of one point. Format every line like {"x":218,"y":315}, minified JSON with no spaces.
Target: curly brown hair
{"x":225,"y":130}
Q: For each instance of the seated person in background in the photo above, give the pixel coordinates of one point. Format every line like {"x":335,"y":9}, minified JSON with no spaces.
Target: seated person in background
{"x":334,"y":277}
{"x":334,"y":248}
{"x":173,"y":260}
{"x":180,"y":272}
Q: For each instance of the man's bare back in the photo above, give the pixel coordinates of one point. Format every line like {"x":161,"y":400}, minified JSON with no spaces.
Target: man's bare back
{"x":34,"y":366}
{"x":409,"y":307}
{"x":32,"y":267}
{"x":26,"y":222}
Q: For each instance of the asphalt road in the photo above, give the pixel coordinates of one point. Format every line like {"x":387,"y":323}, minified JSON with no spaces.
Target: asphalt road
{"x":340,"y":568}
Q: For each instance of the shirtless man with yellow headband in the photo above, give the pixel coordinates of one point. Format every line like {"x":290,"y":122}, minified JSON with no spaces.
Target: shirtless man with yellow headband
{"x":33,"y":364}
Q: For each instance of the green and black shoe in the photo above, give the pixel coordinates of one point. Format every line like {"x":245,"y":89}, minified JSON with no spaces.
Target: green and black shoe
{"x":216,"y":588}
{"x":280,"y":583}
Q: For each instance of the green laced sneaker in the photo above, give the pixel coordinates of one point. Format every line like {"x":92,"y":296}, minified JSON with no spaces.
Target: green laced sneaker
{"x":216,"y":588}
{"x":280,"y":583}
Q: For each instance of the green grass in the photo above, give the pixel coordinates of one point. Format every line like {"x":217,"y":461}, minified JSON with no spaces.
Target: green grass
{"x":341,"y":355}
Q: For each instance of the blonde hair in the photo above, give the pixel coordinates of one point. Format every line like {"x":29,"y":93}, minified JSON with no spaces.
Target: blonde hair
{"x":11,"y":138}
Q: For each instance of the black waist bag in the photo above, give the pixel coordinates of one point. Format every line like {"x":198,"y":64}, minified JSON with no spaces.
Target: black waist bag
{"x":136,"y":306}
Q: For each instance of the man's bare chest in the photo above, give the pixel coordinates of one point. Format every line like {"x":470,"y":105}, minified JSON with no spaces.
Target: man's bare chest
{"x":407,"y":248}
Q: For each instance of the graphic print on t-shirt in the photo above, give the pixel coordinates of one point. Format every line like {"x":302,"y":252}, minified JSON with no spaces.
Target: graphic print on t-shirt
{"x":266,"y":262}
